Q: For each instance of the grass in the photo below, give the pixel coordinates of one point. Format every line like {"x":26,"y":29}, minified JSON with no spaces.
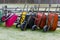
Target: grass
{"x":16,"y":34}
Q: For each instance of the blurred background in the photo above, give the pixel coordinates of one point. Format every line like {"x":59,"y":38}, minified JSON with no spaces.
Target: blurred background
{"x":30,"y":1}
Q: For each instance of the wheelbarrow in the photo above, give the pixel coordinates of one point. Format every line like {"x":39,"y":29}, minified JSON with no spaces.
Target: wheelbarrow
{"x":1,"y":17}
{"x":28,"y":22}
{"x":10,"y":19}
{"x":52,"y":21}
{"x":40,"y":20}
{"x":22,"y":18}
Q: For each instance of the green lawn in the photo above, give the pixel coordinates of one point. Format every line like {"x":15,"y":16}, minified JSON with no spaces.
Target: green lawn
{"x":16,"y":34}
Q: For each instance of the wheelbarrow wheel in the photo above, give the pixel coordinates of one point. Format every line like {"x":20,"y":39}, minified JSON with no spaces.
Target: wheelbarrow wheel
{"x":17,"y":25}
{"x":3,"y":19}
{"x":34,"y":27}
{"x":45,"y":29}
{"x":22,"y":26}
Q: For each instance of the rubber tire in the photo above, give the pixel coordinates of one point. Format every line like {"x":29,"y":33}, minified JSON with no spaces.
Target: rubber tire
{"x":17,"y":25}
{"x":23,"y":26}
{"x":3,"y":19}
{"x":45,"y":29}
{"x":34,"y":27}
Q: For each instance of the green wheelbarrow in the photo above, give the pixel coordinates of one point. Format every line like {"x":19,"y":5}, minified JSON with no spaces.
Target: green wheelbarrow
{"x":1,"y":17}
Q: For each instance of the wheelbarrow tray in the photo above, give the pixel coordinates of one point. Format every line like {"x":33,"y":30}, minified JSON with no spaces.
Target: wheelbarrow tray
{"x":11,"y":20}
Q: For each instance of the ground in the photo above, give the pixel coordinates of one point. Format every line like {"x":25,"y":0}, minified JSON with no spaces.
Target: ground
{"x":16,"y":34}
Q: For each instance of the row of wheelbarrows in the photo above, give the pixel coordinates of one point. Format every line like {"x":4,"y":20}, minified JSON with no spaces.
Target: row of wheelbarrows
{"x":33,"y":20}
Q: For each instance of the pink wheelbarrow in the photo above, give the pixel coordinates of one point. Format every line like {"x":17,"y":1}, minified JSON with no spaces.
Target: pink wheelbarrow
{"x":10,"y":19}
